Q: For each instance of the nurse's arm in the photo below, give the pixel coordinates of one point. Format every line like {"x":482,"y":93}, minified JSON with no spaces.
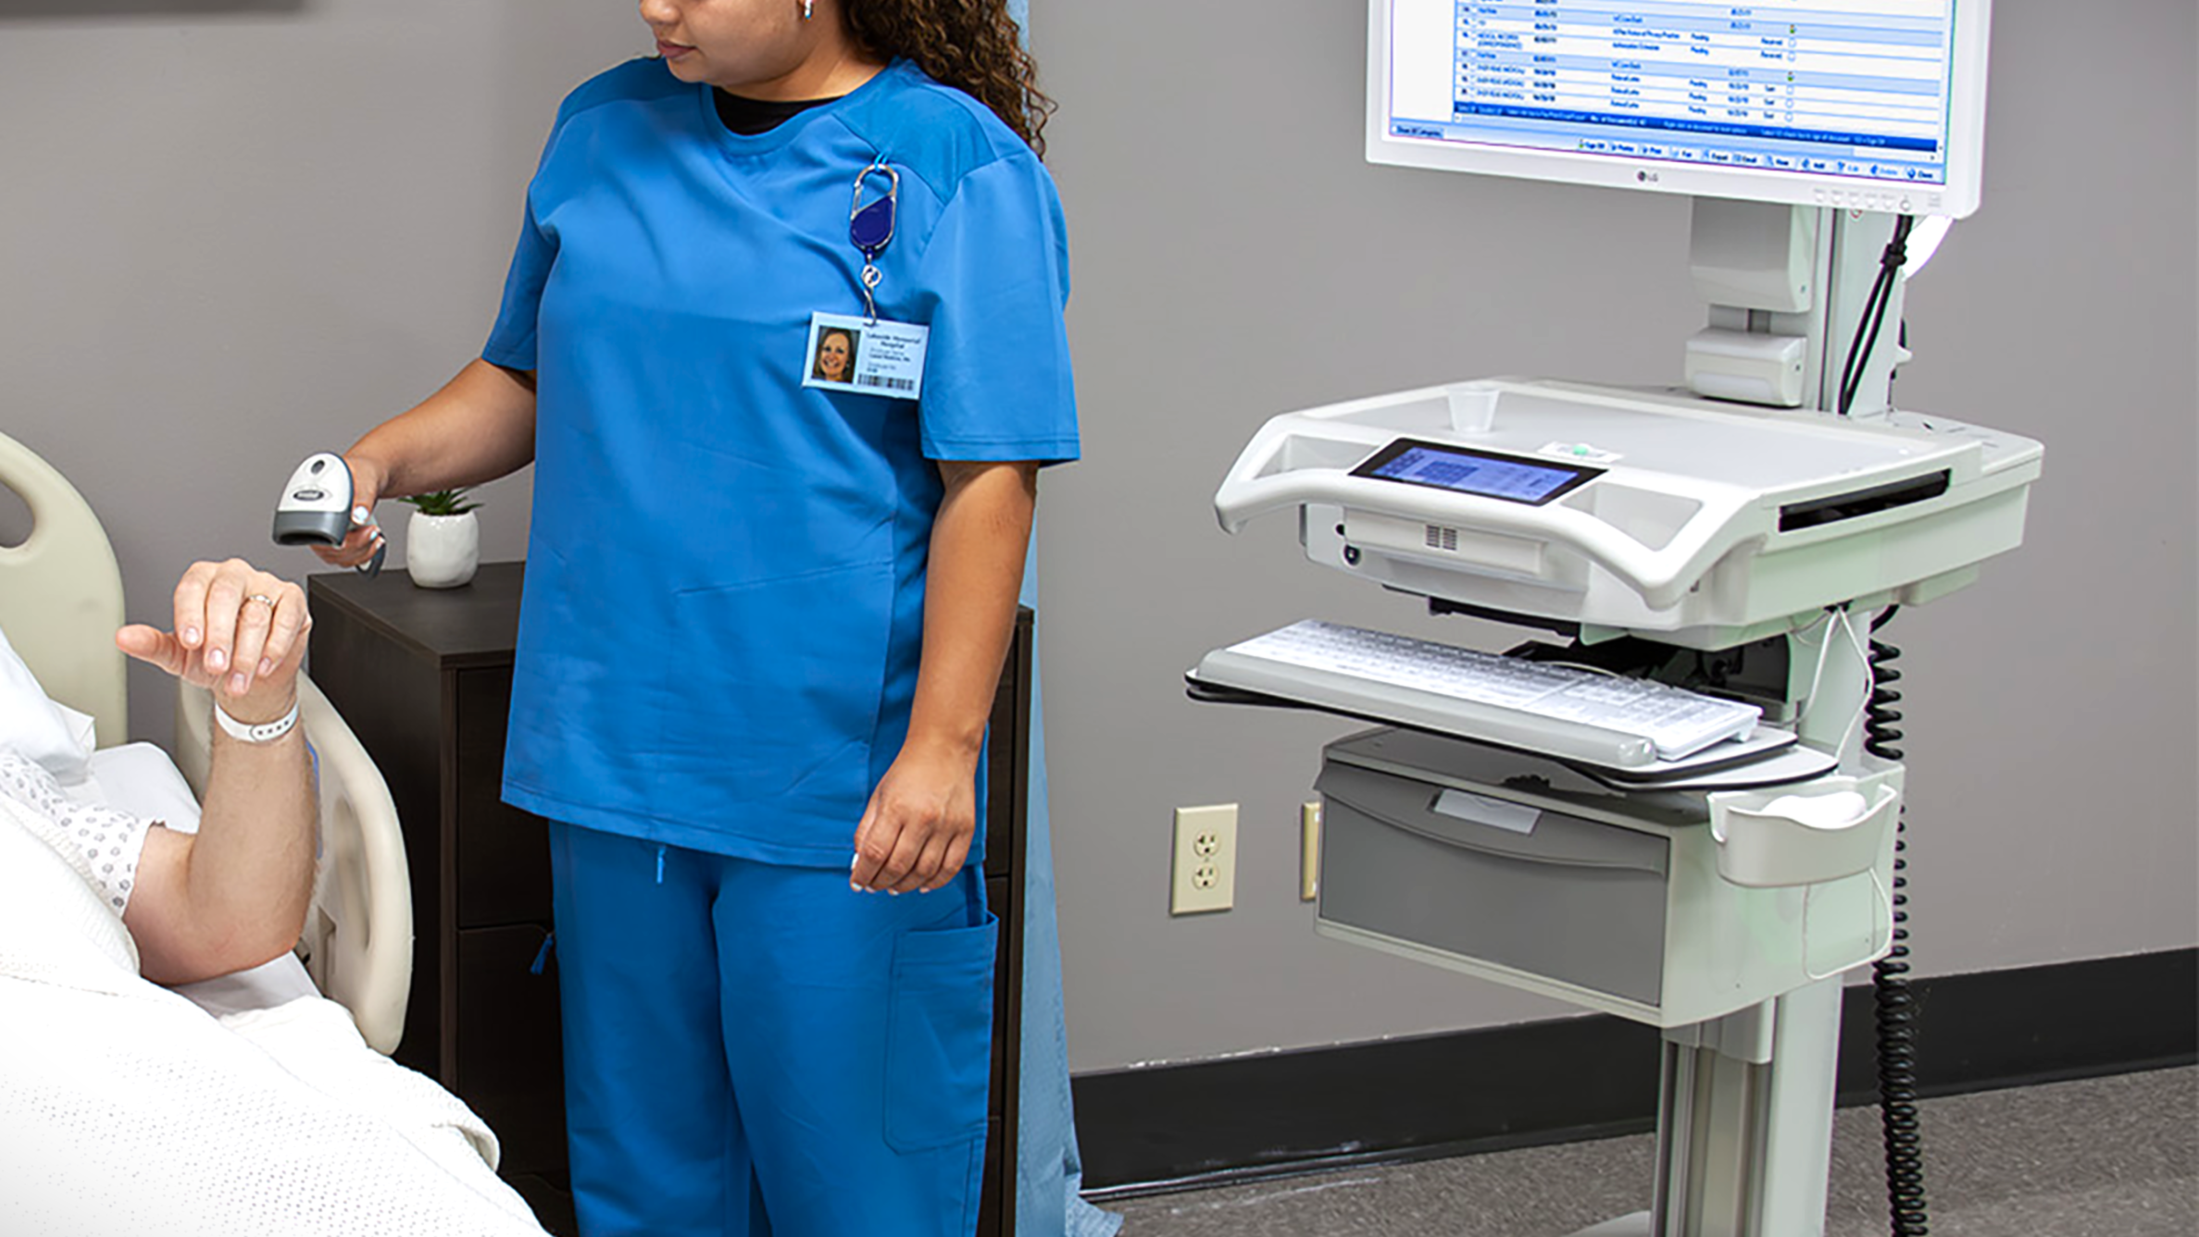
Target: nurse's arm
{"x":479,"y":427}
{"x":917,"y":829}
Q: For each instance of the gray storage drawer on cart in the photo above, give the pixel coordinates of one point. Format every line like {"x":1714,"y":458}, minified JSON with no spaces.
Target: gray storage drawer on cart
{"x":1446,"y":872}
{"x":1521,"y":870}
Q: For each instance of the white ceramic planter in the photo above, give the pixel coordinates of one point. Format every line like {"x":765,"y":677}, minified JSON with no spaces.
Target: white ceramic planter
{"x":442,"y":551}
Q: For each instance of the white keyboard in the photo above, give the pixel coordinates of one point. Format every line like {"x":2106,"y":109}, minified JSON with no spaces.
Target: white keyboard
{"x":1565,"y":710}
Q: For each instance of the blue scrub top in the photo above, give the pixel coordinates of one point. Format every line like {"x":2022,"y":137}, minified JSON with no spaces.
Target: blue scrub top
{"x":725,"y":577}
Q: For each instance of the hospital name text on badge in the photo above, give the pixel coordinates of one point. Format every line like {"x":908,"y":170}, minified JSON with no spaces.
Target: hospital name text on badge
{"x":868,"y":355}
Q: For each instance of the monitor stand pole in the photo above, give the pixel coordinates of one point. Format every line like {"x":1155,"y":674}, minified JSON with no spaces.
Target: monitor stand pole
{"x":1744,"y":1123}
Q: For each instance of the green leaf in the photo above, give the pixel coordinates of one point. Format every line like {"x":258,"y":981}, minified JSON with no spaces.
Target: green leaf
{"x":442,"y":502}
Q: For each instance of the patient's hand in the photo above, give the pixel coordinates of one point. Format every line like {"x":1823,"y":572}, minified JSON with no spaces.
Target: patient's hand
{"x":239,"y":631}
{"x":234,"y":894}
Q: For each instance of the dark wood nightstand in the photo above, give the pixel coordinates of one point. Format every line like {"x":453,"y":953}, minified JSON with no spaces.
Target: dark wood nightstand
{"x":424,"y":678}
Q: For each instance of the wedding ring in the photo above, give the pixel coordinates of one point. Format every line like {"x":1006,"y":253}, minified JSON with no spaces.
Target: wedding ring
{"x":263,"y":599}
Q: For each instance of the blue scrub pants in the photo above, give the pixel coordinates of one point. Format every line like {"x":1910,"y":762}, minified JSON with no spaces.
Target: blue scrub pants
{"x":756,"y":1049}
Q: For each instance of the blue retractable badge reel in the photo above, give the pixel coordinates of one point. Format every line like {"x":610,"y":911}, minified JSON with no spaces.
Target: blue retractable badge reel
{"x":870,"y":227}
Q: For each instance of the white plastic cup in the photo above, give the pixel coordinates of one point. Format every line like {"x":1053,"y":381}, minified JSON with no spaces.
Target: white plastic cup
{"x":1473,"y":406}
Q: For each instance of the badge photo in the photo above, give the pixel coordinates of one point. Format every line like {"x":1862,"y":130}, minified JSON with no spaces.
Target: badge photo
{"x":867,"y":356}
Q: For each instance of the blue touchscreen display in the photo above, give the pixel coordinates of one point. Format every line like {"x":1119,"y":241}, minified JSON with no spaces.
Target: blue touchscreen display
{"x":1491,"y":476}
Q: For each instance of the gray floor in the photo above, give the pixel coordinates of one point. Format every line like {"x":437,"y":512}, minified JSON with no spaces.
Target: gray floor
{"x":2109,"y":1157}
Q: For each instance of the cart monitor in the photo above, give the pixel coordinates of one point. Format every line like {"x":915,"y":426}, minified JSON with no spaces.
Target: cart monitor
{"x":1861,"y":104}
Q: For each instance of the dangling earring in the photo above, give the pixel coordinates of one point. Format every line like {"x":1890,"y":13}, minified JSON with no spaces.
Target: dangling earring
{"x":809,"y":9}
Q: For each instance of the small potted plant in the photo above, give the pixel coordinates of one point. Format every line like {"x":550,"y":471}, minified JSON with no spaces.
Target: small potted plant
{"x":442,"y":540}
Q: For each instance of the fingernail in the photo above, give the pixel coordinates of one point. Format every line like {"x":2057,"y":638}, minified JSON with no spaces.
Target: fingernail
{"x":267,"y":667}
{"x":237,"y":684}
{"x":360,"y":515}
{"x":191,"y":637}
{"x":216,"y":659}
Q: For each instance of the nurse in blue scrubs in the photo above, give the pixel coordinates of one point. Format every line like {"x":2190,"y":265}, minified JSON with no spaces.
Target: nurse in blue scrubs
{"x":768,"y":598}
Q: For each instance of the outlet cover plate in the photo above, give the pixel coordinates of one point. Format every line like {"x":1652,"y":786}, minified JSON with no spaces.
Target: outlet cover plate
{"x":1203,"y":869}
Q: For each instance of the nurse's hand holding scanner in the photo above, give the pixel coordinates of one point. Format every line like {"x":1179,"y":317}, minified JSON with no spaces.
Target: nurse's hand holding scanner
{"x":479,"y":427}
{"x":316,"y":508}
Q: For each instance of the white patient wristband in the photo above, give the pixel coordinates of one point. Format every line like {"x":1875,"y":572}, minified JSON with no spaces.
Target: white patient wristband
{"x":265,"y":732}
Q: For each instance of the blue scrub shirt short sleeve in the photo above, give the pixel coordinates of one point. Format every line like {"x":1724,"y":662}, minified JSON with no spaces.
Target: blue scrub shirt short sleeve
{"x":512,"y":340}
{"x":997,"y":383}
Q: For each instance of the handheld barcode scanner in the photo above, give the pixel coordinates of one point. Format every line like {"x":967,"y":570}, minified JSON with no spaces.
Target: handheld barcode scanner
{"x":315,"y":508}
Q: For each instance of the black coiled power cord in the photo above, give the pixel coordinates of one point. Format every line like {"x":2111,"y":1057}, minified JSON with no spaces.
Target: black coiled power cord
{"x":1896,"y":1006}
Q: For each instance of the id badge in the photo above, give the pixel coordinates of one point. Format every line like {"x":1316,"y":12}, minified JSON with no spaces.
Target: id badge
{"x":867,"y":356}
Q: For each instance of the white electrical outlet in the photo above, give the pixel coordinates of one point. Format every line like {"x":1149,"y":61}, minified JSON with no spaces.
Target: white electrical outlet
{"x":1203,"y":872}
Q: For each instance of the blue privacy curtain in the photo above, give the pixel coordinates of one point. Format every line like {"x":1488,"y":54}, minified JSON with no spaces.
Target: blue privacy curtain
{"x":1048,"y":1168}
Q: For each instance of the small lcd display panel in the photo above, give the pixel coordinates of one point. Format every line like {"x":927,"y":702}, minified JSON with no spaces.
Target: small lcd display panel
{"x":1474,"y":472}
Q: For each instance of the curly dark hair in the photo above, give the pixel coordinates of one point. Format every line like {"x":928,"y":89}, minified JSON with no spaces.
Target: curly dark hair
{"x":971,"y":45}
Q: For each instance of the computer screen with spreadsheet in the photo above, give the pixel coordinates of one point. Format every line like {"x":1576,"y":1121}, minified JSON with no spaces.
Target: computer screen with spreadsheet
{"x":1870,"y":104}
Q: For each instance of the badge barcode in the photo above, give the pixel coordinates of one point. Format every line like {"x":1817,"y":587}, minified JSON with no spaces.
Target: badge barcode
{"x":881,"y":380}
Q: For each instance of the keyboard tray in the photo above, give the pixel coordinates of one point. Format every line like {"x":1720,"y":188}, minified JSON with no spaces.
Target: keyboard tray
{"x":1453,"y":691}
{"x":1225,"y":677}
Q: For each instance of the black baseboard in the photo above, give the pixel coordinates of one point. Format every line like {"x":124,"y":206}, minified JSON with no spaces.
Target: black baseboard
{"x":1595,"y":1076}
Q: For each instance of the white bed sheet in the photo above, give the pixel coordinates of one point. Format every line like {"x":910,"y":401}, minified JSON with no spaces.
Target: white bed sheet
{"x":126,"y":1109}
{"x":138,"y":778}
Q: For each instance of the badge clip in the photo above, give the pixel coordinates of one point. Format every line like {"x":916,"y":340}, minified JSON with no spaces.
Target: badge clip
{"x":870,"y":227}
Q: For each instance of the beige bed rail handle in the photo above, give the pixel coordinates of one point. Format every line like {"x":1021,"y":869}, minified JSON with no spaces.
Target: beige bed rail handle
{"x":63,"y":598}
{"x":357,"y":944}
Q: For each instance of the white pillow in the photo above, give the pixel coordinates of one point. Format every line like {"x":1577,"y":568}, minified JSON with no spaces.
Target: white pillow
{"x":36,"y":726}
{"x":83,"y":728}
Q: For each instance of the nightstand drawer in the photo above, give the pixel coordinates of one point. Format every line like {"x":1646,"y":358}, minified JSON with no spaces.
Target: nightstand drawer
{"x":1000,"y":787}
{"x":996,"y":895}
{"x":510,"y":1062}
{"x":1007,"y":764}
{"x":503,"y":872}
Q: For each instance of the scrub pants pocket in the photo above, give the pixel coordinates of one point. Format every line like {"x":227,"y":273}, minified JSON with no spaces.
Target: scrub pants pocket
{"x":939,"y":1036}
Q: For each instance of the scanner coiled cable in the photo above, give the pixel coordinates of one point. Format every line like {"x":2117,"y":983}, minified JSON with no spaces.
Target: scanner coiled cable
{"x":1895,"y":1004}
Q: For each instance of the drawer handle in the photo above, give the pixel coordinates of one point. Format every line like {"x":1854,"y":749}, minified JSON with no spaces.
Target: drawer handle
{"x":1483,"y":810}
{"x":1498,"y":849}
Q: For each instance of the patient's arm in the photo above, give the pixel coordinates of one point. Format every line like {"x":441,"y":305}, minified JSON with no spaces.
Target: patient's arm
{"x":234,"y":895}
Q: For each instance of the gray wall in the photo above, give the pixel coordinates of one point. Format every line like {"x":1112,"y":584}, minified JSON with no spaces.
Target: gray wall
{"x":234,"y":231}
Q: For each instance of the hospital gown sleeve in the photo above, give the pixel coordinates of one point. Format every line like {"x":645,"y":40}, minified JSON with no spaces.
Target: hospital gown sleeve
{"x":101,"y":843}
{"x":995,"y":275}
